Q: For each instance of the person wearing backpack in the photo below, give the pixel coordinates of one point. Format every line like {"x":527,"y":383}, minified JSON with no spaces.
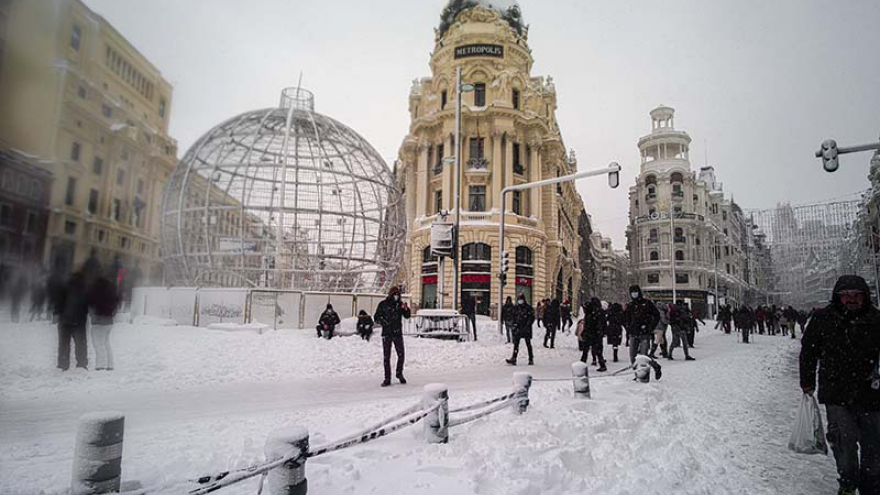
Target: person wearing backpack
{"x":843,"y":341}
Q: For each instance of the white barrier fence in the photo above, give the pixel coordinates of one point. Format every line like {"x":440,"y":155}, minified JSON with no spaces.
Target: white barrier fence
{"x":275,"y":308}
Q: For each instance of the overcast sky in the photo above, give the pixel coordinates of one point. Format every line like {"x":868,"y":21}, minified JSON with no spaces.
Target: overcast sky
{"x":757,"y":84}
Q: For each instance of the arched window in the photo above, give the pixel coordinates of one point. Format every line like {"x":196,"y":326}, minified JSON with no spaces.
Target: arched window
{"x":676,"y":177}
{"x":476,"y":251}
{"x":652,"y":236}
{"x":523,"y":256}
{"x":650,"y":180}
{"x":679,"y":255}
{"x":655,"y":256}
{"x":428,"y":256}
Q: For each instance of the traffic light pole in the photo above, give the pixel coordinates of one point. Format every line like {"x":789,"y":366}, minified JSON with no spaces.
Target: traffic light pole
{"x":829,"y":152}
{"x":456,"y":250}
{"x":613,"y":172}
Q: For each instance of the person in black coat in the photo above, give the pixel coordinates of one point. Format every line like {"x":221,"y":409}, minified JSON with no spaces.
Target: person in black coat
{"x":592,"y":331}
{"x":843,"y":340}
{"x":565,"y":315}
{"x":681,"y":321}
{"x":103,"y":300}
{"x":73,"y":314}
{"x":552,"y":318}
{"x":507,"y":317}
{"x":640,"y":318}
{"x":469,"y":310}
{"x":328,"y":321}
{"x":390,"y":314}
{"x":744,"y":319}
{"x":365,"y":325}
{"x":614,"y":327}
{"x":523,"y":317}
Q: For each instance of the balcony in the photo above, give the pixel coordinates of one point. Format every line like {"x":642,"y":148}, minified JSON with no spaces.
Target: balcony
{"x":680,"y":239}
{"x":479,"y":164}
{"x":651,"y":197}
{"x":653,"y":240}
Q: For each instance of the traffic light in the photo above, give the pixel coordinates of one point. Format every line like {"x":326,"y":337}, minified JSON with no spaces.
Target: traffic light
{"x":505,"y":266}
{"x":829,"y":155}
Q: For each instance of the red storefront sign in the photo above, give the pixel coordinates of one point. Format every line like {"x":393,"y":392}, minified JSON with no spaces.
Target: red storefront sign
{"x":429,"y":279}
{"x":476,"y":279}
{"x":524,"y":281}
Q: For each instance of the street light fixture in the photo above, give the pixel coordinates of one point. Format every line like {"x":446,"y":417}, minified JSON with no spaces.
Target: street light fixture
{"x":613,"y":171}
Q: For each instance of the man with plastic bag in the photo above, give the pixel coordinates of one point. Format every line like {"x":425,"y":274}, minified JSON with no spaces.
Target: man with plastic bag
{"x":843,"y":339}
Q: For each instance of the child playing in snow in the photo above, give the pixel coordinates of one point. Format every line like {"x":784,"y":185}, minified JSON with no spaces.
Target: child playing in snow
{"x":365,"y":325}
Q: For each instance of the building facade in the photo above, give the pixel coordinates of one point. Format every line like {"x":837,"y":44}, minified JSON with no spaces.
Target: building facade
{"x":611,"y":270}
{"x":24,"y":210}
{"x":94,"y":111}
{"x":509,"y":136}
{"x":685,"y":239}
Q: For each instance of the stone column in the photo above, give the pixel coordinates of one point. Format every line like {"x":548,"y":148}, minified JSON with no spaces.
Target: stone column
{"x":420,"y":170}
{"x":535,"y":175}
{"x":496,"y":170}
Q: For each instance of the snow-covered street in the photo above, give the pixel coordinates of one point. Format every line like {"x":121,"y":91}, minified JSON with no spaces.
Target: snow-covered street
{"x":199,"y":401}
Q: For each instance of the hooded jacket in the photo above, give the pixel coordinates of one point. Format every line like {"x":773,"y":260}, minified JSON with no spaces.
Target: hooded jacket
{"x":641,"y":315}
{"x":846,"y":347}
{"x":390,"y":313}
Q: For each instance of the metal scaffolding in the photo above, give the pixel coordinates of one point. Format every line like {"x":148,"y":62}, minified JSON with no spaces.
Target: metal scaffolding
{"x":812,"y":245}
{"x":284,"y":198}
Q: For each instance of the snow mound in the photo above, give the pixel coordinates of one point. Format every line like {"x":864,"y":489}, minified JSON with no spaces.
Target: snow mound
{"x":238,"y":327}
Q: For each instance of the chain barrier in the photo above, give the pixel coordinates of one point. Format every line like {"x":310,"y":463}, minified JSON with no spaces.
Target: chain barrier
{"x":497,"y":407}
{"x":483,"y":404}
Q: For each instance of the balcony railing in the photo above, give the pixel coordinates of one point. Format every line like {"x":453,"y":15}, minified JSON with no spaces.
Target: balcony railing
{"x":478,"y":164}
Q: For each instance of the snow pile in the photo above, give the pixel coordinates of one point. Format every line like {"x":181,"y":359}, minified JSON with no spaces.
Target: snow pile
{"x":239,"y":327}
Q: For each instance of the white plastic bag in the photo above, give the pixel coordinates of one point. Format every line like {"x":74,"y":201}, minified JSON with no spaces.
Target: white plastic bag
{"x":808,"y":435}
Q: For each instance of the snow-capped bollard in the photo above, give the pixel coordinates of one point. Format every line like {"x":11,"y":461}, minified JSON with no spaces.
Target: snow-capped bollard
{"x":97,"y":457}
{"x":436,"y":423}
{"x":581,"y":374}
{"x":290,"y":477}
{"x":522,"y":382}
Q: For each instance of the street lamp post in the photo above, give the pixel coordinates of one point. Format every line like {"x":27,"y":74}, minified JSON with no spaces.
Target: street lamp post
{"x":613,"y":171}
{"x":456,"y":252}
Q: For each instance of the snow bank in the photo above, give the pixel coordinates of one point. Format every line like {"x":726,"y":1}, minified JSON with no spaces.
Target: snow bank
{"x":259,"y":328}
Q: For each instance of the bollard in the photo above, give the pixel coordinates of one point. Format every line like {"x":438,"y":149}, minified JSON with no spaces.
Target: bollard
{"x":290,"y":477}
{"x":581,"y":374}
{"x":436,"y":423}
{"x":97,"y":457}
{"x":522,"y":382}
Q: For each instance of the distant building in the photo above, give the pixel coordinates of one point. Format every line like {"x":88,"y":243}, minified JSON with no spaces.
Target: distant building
{"x":77,"y":95}
{"x":24,"y":210}
{"x":611,"y":270}
{"x":509,"y":136}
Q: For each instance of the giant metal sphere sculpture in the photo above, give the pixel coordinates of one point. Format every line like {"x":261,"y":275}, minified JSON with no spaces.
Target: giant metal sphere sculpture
{"x":284,"y":198}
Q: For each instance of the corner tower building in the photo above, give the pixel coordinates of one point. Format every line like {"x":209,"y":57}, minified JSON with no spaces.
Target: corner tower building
{"x":509,"y":135}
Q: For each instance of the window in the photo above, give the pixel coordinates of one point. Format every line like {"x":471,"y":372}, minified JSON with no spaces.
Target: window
{"x":652,"y":212}
{"x":652,"y":192}
{"x":106,"y":111}
{"x":443,"y":99}
{"x":676,"y":177}
{"x":724,"y":215}
{"x":30,"y":225}
{"x":70,"y":228}
{"x":75,"y":149}
{"x":679,"y":255}
{"x":682,"y":278}
{"x":523,"y":257}
{"x":679,"y":235}
{"x":6,"y":215}
{"x":515,"y":99}
{"x":477,"y":198}
{"x":140,"y":186}
{"x":102,"y":235}
{"x":120,"y":177}
{"x":517,"y":202}
{"x":81,"y":92}
{"x":652,"y":236}
{"x":650,"y":180}
{"x":476,"y":252}
{"x":75,"y":37}
{"x":70,"y":195}
{"x":653,"y":278}
{"x":479,"y":95}
{"x":438,"y":201}
{"x":123,"y":242}
{"x":97,"y":166}
{"x":517,"y":160}
{"x":93,"y":201}
{"x":676,"y":191}
{"x":655,"y":256}
{"x":476,"y":148}
{"x":117,"y":209}
{"x":677,"y":211}
{"x":438,"y":165}
{"x":697,"y":241}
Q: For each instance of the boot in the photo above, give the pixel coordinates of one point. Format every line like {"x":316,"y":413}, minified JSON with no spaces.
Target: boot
{"x":689,"y":358}
{"x":602,"y":367}
{"x":531,"y":362}
{"x":386,"y":383}
{"x":652,"y":354}
{"x":511,"y":361}
{"x":657,"y":370}
{"x":401,"y":378}
{"x":615,"y":355}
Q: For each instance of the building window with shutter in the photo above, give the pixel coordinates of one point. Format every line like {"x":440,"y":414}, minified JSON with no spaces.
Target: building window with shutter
{"x":70,"y":194}
{"x":479,"y":95}
{"x":438,"y":201}
{"x":517,"y":202}
{"x":515,"y":99}
{"x":477,"y":198}
{"x":93,"y":201}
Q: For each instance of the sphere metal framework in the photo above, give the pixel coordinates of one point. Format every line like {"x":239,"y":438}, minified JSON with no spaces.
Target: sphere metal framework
{"x":284,"y":198}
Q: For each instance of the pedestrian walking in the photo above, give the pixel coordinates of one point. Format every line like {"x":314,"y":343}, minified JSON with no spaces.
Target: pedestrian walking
{"x":660,"y":333}
{"x":72,"y":319}
{"x":565,"y":315}
{"x":18,"y":291}
{"x":843,"y":341}
{"x":791,"y":315}
{"x":539,"y":313}
{"x":523,"y":317}
{"x":591,"y":330}
{"x":640,"y":317}
{"x":745,"y":321}
{"x":552,"y":318}
{"x":507,"y":318}
{"x":681,"y":321}
{"x":364,"y":325}
{"x":614,"y":328}
{"x":390,"y":314}
{"x":327,"y":322}
{"x":38,"y":298}
{"x":103,"y":301}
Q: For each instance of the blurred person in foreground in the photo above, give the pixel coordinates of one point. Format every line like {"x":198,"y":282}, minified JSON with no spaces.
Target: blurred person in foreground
{"x":843,"y":340}
{"x":103,"y":301}
{"x":72,"y":309}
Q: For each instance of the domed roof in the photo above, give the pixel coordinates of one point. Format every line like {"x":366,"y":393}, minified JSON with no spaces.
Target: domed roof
{"x":509,"y":10}
{"x":286,"y":198}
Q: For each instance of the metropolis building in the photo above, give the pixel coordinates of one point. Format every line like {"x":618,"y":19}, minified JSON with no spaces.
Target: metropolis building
{"x":677,"y":217}
{"x":509,"y":135}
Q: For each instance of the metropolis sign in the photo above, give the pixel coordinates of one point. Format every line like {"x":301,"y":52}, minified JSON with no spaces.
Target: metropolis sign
{"x":479,"y":50}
